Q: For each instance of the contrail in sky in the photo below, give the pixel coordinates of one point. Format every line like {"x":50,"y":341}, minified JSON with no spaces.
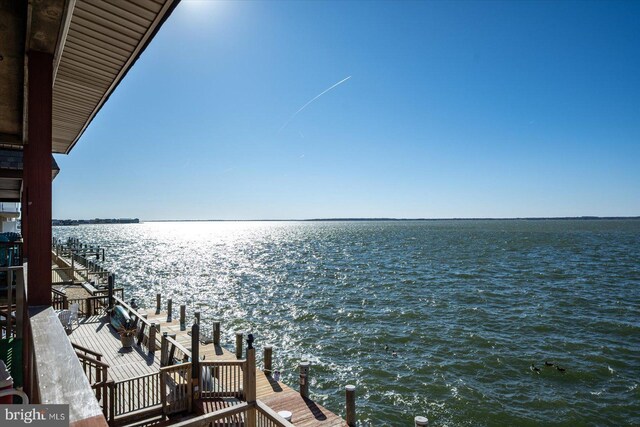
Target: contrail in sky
{"x":310,"y":101}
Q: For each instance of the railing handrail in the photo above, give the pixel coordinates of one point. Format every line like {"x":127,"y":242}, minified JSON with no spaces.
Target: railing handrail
{"x":86,"y":350}
{"x":240,"y":362}
{"x":204,"y":420}
{"x":132,"y":312}
{"x":271,"y":414}
{"x":139,"y":377}
{"x":57,"y":292}
{"x":90,"y":359}
{"x":11,"y":268}
{"x":179,"y":346}
{"x":178,"y":367}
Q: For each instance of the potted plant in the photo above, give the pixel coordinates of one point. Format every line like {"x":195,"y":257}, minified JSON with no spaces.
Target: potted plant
{"x":127,"y":334}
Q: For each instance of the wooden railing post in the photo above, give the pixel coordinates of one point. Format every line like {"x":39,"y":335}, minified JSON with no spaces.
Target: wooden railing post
{"x":195,"y":360}
{"x":216,"y":333}
{"x":164,"y":348}
{"x":141,"y":332}
{"x":238,"y":345}
{"x":250,"y":381}
{"x":350,"y":397}
{"x":110,"y":290}
{"x":158,"y":297}
{"x":197,"y":317}
{"x":268,"y":351}
{"x":304,"y":379}
{"x":169,"y":309}
{"x":152,"y":338}
{"x":112,"y":401}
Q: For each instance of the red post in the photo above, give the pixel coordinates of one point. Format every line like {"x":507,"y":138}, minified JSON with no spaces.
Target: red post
{"x":36,"y":195}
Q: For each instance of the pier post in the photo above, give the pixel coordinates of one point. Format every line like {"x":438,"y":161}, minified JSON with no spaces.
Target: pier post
{"x":158,"y":296}
{"x":197,"y":316}
{"x":102,"y":254}
{"x":195,"y":358}
{"x":304,"y":379}
{"x":268,"y":351}
{"x":169,"y":310}
{"x":216,"y":333}
{"x":183,"y":315}
{"x":350,"y":397}
{"x":152,"y":338}
{"x":164,"y":347}
{"x":250,"y":381}
{"x":238,"y":345}
{"x":73,"y":268}
{"x":421,"y":421}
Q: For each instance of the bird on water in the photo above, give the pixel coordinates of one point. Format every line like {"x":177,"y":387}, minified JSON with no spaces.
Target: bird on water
{"x":535,"y":369}
{"x":561,"y":369}
{"x":549,"y":364}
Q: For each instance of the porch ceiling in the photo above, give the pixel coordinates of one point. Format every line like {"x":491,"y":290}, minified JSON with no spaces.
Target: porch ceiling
{"x":94,"y":43}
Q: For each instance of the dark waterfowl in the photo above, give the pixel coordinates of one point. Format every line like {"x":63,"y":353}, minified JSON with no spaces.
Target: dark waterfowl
{"x":561,"y":369}
{"x":549,"y":364}
{"x":535,"y":369}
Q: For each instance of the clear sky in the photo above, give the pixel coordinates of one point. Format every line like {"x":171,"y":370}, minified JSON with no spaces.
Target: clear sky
{"x":453,"y":109}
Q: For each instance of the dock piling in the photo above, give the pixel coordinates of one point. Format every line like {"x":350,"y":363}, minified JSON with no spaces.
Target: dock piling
{"x":421,"y":421}
{"x":169,"y":310}
{"x":158,"y":296}
{"x":268,"y":352}
{"x":350,"y":397}
{"x":216,"y":333}
{"x":183,"y":316}
{"x":197,"y":317}
{"x":238,"y":345}
{"x":304,"y":379}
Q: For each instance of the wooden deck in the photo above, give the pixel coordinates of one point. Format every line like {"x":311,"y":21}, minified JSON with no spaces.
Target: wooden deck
{"x":95,"y":334}
{"x":276,"y":395}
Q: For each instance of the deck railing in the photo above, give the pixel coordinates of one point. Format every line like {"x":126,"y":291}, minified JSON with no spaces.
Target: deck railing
{"x":59,"y":300}
{"x":219,"y":379}
{"x":134,"y":394}
{"x":172,"y":352}
{"x":12,"y":302}
{"x":97,"y":373}
{"x":250,"y":414}
{"x":147,"y":335}
{"x":176,"y":381}
{"x":90,"y":306}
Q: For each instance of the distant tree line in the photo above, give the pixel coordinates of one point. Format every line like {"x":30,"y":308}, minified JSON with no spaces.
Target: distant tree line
{"x":95,"y":221}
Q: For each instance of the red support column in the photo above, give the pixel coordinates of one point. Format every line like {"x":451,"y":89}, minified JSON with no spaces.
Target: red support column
{"x":36,"y":196}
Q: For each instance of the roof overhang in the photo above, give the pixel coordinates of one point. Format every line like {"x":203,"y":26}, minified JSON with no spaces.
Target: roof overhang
{"x":94,"y":44}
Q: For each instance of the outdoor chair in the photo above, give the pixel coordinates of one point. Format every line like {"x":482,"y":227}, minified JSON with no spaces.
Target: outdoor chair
{"x":74,"y":314}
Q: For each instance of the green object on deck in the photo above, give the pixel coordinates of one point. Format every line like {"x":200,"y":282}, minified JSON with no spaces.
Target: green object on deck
{"x":11,"y":353}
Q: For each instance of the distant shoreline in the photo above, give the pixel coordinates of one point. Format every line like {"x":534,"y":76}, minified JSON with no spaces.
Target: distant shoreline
{"x":563,"y":218}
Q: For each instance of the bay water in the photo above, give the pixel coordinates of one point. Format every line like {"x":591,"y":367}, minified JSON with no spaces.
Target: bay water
{"x":466,"y":305}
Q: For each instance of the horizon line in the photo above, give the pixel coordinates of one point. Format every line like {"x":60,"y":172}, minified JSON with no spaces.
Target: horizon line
{"x":583,"y":217}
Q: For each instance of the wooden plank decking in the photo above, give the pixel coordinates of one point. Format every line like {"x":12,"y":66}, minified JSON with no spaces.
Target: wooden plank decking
{"x":276,"y":395}
{"x":95,"y":334}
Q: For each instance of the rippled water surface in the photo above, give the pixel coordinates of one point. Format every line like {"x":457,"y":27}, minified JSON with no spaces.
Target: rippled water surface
{"x":467,"y":306}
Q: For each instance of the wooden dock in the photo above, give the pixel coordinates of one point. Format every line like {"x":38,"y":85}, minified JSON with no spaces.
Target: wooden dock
{"x":95,"y":334}
{"x":162,"y":375}
{"x":276,"y":395}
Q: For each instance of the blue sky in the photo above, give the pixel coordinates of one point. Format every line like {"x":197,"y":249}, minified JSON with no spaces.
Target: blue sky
{"x":453,"y":109}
